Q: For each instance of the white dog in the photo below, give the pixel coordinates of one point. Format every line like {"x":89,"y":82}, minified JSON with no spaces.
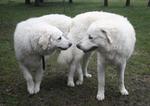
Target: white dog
{"x":78,"y":31}
{"x":73,"y":55}
{"x":32,"y":40}
{"x":62,"y":22}
{"x":114,"y":40}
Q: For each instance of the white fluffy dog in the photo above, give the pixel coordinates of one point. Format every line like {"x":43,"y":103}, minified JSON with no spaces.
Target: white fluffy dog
{"x":73,"y":55}
{"x":62,"y":22}
{"x":33,"y":39}
{"x":78,"y":31}
{"x":114,"y":40}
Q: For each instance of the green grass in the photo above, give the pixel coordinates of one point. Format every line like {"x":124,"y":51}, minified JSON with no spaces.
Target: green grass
{"x":54,"y":91}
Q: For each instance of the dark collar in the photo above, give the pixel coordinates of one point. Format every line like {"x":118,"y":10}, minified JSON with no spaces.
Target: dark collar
{"x":43,"y":62}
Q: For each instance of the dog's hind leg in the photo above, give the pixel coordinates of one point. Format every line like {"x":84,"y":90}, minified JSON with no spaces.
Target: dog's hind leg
{"x":38,"y":79}
{"x":122,"y":88}
{"x":80,"y":74}
{"x":27,"y":75}
{"x":86,"y":59}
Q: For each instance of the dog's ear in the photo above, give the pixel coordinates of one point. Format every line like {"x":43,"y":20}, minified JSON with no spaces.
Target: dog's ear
{"x":107,"y":34}
{"x":44,"y":41}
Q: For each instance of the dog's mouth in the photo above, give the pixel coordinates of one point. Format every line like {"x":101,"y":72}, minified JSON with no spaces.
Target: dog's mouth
{"x":63,"y":48}
{"x":91,"y":49}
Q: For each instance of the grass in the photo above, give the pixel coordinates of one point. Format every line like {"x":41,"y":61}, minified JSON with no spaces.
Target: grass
{"x":54,"y":91}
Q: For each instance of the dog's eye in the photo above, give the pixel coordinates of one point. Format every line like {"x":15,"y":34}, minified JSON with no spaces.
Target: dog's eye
{"x":90,"y":37}
{"x":59,"y":38}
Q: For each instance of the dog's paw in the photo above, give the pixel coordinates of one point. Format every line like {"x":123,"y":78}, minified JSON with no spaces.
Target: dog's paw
{"x":71,"y":84}
{"x":100,"y":97}
{"x":87,"y":75}
{"x":124,"y":92}
{"x":31,"y":90}
{"x":79,"y":82}
{"x":36,"y":89}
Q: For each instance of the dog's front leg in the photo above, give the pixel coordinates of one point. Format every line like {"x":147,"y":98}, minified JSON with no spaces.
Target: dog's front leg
{"x":101,"y":77}
{"x":72,"y":69}
{"x":86,"y":59}
{"x":38,"y":78}
{"x":27,"y":75}
{"x":80,"y":74}
{"x":122,"y":88}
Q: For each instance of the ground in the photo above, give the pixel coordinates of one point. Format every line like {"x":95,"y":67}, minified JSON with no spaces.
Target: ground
{"x":54,"y":90}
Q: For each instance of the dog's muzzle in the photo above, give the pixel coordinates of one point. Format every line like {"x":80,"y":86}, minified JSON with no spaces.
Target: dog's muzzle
{"x":78,"y":46}
{"x":70,"y":44}
{"x":86,"y":50}
{"x":91,"y":49}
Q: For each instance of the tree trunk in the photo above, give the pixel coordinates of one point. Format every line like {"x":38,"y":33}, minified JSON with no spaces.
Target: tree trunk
{"x":149,"y":3}
{"x":41,"y":1}
{"x":37,"y":2}
{"x":106,"y":3}
{"x":27,"y":2}
{"x":128,"y":3}
{"x":70,"y":1}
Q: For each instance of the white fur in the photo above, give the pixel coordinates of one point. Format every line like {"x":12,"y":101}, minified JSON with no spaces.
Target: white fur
{"x":115,"y":40}
{"x":34,"y":38}
{"x":79,"y":31}
{"x":62,"y":22}
{"x":73,"y":55}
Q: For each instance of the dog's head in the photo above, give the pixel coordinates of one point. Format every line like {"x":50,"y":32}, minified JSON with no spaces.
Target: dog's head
{"x":52,"y":39}
{"x":97,"y":37}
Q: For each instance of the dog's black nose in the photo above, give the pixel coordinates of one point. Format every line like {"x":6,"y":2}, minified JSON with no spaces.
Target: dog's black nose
{"x":70,"y":44}
{"x":78,"y":46}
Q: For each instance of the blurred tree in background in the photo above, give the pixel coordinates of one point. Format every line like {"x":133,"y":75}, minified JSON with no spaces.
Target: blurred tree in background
{"x":70,"y":1}
{"x":27,"y":2}
{"x":128,"y":3}
{"x":106,"y":3}
{"x":38,"y":2}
